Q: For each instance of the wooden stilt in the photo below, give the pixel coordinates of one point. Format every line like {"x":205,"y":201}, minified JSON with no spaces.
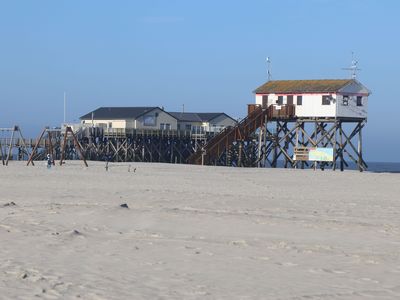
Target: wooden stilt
{"x":10,"y":147}
{"x":1,"y":153}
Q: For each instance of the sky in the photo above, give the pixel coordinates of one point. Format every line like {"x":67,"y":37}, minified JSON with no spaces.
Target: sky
{"x":207,"y":55}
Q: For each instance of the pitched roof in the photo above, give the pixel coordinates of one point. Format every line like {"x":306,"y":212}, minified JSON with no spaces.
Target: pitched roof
{"x":186,"y":117}
{"x":105,"y":113}
{"x":196,"y":117}
{"x":209,"y":116}
{"x":303,"y":86}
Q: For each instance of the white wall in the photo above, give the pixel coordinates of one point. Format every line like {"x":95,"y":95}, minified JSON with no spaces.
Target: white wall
{"x":106,"y":123}
{"x":311,"y":104}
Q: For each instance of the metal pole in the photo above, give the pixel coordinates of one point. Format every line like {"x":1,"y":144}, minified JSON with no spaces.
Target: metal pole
{"x":65,"y":107}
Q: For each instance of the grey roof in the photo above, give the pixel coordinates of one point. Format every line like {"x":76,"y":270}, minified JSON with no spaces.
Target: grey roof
{"x":121,"y":113}
{"x":106,"y":113}
{"x":196,"y":117}
{"x":186,"y":117}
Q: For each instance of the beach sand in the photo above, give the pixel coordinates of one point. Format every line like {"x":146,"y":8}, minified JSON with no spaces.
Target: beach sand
{"x":193,"y":232}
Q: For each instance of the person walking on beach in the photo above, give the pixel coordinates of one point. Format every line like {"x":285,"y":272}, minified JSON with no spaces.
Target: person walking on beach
{"x":49,"y":161}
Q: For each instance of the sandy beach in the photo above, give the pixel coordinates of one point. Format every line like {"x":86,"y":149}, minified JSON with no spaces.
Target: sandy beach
{"x":192,"y":232}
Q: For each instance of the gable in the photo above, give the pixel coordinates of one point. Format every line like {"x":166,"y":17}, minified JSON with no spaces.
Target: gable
{"x":354,"y":87}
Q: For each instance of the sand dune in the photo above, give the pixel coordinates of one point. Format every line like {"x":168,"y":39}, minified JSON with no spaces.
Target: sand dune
{"x":192,"y":232}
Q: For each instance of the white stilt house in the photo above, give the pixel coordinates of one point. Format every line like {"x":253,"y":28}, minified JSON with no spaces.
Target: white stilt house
{"x":308,"y":116}
{"x":332,"y":98}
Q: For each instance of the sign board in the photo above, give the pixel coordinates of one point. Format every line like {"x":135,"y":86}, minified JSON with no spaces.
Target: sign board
{"x":320,"y":154}
{"x":313,"y":154}
{"x":301,"y":153}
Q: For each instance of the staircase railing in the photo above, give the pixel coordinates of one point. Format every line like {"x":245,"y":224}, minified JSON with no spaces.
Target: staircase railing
{"x":218,"y":144}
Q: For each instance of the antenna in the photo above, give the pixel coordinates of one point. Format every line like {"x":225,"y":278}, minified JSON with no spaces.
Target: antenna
{"x":269,"y":68}
{"x":353,"y":68}
{"x":65,"y":106}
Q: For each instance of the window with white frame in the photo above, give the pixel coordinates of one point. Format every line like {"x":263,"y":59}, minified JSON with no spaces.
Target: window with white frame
{"x":299,"y":100}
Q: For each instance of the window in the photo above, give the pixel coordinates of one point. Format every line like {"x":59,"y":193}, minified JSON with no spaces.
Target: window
{"x":264,"y":100}
{"x":165,"y":126}
{"x":290,"y":100}
{"x":326,"y":100}
{"x":188,"y":127}
{"x":149,"y":121}
{"x":109,"y":124}
{"x":280,"y":100}
{"x":299,"y":100}
{"x":359,"y":100}
{"x":345,"y":101}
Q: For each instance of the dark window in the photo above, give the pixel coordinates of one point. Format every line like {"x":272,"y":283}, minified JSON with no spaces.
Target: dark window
{"x":265,"y":100}
{"x":345,"y":101}
{"x":326,"y":100}
{"x":280,"y":100}
{"x":290,"y":99}
{"x":299,"y":100}
{"x":359,"y":101}
{"x":188,"y":127}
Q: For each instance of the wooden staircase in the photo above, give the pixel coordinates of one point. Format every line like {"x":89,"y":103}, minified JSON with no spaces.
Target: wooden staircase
{"x":219,"y":143}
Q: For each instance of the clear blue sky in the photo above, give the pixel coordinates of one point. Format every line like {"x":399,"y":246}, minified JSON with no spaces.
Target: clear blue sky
{"x":209,"y":55}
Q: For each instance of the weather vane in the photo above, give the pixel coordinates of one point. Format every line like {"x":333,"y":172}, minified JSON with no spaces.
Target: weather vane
{"x":269,"y":68}
{"x":353,"y":68}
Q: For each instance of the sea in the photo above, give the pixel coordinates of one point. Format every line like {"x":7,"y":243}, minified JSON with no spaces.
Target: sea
{"x":375,"y":167}
{"x":381,"y":167}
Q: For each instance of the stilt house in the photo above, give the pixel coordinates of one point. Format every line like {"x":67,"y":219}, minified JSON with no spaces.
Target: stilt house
{"x":332,"y":98}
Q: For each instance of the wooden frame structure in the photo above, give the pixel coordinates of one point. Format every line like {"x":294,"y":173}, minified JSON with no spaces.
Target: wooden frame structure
{"x":265,"y":138}
{"x":11,"y":143}
{"x":344,"y":136}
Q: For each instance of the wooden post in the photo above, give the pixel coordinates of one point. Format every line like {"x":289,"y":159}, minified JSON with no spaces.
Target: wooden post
{"x":240,"y":154}
{"x":78,"y":146}
{"x":341,"y":147}
{"x":23,"y":142}
{"x":30,"y":160}
{"x":10,"y":147}
{"x":334,"y":146}
{"x":63,"y":146}
{"x":1,"y":153}
{"x":360,"y":159}
{"x":297,"y":141}
{"x":51,"y":147}
{"x":302,"y":141}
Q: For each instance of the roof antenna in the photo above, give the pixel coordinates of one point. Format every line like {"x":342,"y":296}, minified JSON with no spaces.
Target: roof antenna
{"x":353,"y":68}
{"x":269,"y":68}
